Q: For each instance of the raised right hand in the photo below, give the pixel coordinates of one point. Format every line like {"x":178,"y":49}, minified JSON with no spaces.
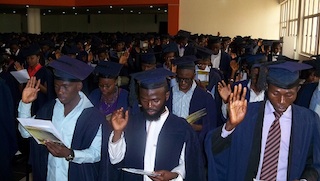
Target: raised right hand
{"x":224,"y":91}
{"x":237,"y":107}
{"x":29,"y":93}
{"x":119,"y":121}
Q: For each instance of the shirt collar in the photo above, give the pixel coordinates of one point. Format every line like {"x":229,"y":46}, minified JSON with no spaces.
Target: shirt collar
{"x":269,"y":110}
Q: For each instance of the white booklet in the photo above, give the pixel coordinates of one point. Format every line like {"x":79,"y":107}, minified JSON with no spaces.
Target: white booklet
{"x":41,"y":130}
{"x":22,"y":76}
{"x":140,"y":172}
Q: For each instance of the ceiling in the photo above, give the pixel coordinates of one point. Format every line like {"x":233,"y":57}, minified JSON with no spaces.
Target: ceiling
{"x":45,"y":11}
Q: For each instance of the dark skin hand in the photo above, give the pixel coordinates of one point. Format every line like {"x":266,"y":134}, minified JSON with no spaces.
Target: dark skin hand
{"x":164,"y":175}
{"x":57,"y":150}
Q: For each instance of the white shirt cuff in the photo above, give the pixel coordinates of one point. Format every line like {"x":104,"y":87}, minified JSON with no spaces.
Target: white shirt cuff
{"x":224,"y":132}
{"x":116,"y":149}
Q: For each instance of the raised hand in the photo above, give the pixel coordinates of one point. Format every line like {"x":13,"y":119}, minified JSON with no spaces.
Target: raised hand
{"x":237,"y":107}
{"x":29,"y":93}
{"x":18,"y":66}
{"x":224,"y":91}
{"x":164,"y":175}
{"x":119,"y":121}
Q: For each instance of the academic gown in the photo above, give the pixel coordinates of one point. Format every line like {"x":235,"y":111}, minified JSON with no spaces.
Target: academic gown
{"x":237,"y":156}
{"x":216,"y":76}
{"x":174,"y":133}
{"x":7,"y":132}
{"x":305,"y":94}
{"x":122,"y":101}
{"x":85,"y":131}
{"x":201,"y":99}
{"x":225,"y":65}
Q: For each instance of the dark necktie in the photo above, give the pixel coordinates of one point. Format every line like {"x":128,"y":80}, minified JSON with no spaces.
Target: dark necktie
{"x":271,"y":152}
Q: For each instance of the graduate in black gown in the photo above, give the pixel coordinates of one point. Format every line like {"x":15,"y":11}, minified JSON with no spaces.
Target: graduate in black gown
{"x":154,"y":139}
{"x":236,"y":150}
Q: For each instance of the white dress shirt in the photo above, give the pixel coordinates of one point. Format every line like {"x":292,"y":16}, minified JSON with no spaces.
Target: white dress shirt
{"x":65,"y":125}
{"x":181,"y":100}
{"x":117,"y":149}
{"x":285,"y":126}
{"x":215,"y":60}
{"x":315,"y":100}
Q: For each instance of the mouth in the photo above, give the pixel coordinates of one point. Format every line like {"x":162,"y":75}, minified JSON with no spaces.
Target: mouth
{"x":151,"y":112}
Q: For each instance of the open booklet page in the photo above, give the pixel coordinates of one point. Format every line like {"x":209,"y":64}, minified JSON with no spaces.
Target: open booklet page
{"x":140,"y":172}
{"x":41,"y":130}
{"x":22,"y":76}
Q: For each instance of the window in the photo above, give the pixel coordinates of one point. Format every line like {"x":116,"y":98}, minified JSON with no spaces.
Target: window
{"x":283,"y":19}
{"x":293,"y":17}
{"x":310,"y":32}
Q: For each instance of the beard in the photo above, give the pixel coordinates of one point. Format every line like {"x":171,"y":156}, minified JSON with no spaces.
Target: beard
{"x":155,"y":116}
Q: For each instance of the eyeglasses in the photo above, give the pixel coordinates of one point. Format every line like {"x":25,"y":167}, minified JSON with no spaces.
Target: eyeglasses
{"x":186,"y":80}
{"x":104,"y":86}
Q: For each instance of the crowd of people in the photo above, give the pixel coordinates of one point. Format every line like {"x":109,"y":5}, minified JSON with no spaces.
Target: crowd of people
{"x":184,"y":107}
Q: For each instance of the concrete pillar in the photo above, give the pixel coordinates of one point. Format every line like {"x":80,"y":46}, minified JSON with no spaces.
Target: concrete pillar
{"x":34,"y":21}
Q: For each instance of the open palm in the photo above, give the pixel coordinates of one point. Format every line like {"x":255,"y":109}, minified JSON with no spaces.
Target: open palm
{"x":29,"y":93}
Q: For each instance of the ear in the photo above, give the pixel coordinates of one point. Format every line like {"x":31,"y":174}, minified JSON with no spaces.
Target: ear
{"x":79,"y":86}
{"x":167,"y":95}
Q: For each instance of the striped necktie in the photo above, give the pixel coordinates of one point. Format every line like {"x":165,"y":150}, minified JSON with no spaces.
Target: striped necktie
{"x":271,"y":154}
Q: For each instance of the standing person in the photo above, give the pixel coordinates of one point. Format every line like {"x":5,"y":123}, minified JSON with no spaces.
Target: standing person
{"x":75,"y":118}
{"x":187,"y":97}
{"x":155,"y":140}
{"x":7,"y":132}
{"x":109,"y":97}
{"x":268,"y":140}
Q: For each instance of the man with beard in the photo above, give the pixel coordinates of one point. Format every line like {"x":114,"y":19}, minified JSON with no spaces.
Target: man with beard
{"x":154,"y":139}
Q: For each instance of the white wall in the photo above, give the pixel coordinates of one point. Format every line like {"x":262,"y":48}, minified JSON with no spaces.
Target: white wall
{"x":256,"y":18}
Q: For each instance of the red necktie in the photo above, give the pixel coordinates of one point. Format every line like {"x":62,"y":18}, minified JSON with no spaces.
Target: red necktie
{"x":271,"y":153}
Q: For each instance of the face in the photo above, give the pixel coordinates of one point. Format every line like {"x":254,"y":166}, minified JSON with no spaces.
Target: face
{"x":107,"y":86}
{"x":102,"y":56}
{"x":185,"y":79}
{"x":153,"y":102}
{"x":254,"y":75}
{"x":67,"y":92}
{"x":202,"y":64}
{"x":216,"y":48}
{"x":281,"y":98}
{"x":33,"y":60}
{"x":145,"y":66}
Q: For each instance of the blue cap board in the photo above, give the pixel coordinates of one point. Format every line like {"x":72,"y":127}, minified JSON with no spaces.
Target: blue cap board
{"x":152,"y":79}
{"x":70,"y":69}
{"x":148,"y":58}
{"x":108,"y":69}
{"x":33,"y":49}
{"x":203,"y":52}
{"x":285,"y":74}
{"x":168,"y":48}
{"x":185,"y":62}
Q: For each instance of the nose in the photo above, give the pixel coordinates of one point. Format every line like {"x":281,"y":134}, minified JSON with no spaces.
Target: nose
{"x":149,"y":104}
{"x":282,"y":99}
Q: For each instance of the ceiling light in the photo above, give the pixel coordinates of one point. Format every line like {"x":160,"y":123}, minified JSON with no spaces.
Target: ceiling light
{"x":131,"y":11}
{"x":73,"y":7}
{"x":44,"y":14}
{"x":88,"y":10}
{"x":165,"y":10}
{"x":110,"y":6}
{"x":14,"y":12}
{"x":99,"y":12}
{"x":122,"y":9}
{"x":139,"y":12}
{"x":49,"y":11}
{"x":63,"y":12}
{"x":26,"y":14}
{"x":75,"y":13}
{"x":151,"y":6}
{"x":27,"y":6}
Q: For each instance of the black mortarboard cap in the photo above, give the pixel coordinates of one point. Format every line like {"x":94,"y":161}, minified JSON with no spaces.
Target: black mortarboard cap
{"x":184,"y":33}
{"x":283,"y":74}
{"x":108,"y":69}
{"x":185,"y":62}
{"x":72,"y":49}
{"x":70,"y":69}
{"x":203,"y":52}
{"x":148,"y":58}
{"x":33,"y":49}
{"x":152,"y":79}
{"x":255,"y":59}
{"x":316,"y":65}
{"x":171,"y":47}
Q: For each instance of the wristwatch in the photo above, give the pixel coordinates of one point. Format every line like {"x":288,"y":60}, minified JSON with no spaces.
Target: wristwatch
{"x":70,"y":156}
